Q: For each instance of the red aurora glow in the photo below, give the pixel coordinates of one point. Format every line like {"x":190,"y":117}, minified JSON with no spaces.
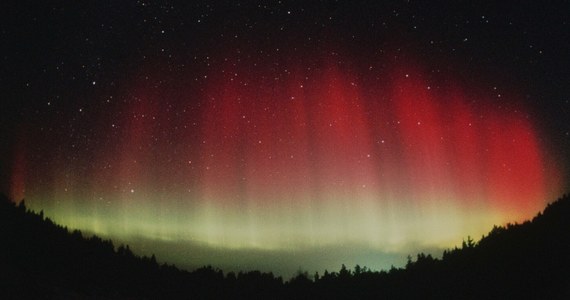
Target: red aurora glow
{"x":258,"y":159}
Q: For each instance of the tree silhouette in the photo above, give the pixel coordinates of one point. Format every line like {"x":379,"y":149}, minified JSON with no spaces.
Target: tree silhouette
{"x":40,"y":259}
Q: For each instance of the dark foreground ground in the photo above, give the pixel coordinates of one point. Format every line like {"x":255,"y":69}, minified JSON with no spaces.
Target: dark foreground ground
{"x":40,"y":259}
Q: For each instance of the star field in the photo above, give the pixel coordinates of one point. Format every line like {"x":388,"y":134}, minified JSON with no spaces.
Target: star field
{"x":285,"y":126}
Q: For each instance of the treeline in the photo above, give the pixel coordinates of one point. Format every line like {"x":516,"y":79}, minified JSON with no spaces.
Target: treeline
{"x":40,"y":259}
{"x":519,"y":261}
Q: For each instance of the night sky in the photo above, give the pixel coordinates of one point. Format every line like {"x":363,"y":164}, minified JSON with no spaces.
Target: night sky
{"x":285,"y":135}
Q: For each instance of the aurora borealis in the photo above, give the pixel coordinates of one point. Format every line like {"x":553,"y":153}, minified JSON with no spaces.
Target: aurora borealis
{"x":294,"y":135}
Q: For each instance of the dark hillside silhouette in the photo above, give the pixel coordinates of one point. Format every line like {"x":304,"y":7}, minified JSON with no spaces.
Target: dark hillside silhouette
{"x":40,"y":259}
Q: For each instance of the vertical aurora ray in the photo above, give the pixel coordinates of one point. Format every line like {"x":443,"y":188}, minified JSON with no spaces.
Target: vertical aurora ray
{"x":315,"y":157}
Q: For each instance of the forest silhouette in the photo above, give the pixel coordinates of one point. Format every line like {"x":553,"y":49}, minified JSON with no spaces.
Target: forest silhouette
{"x":40,"y":259}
